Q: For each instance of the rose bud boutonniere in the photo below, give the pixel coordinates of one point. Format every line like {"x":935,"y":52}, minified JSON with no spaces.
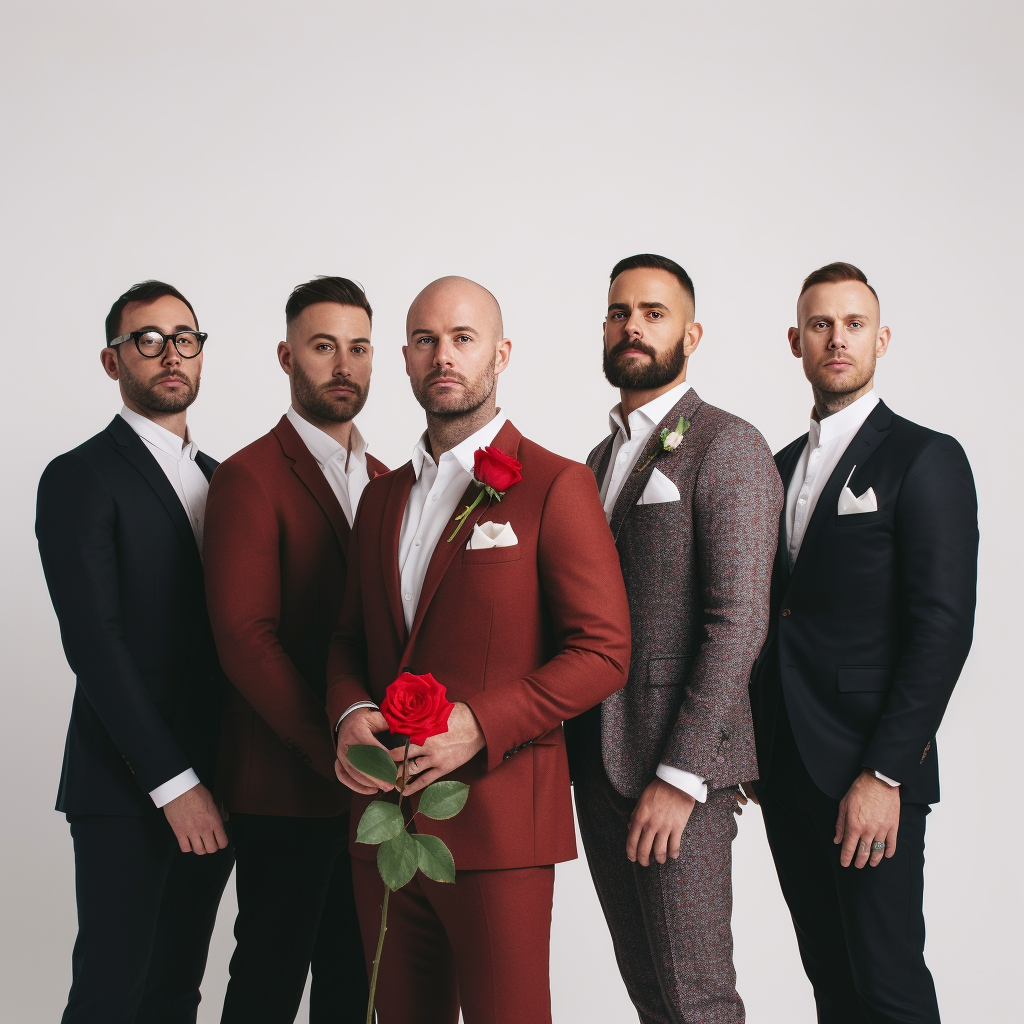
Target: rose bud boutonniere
{"x":416,"y":707}
{"x":670,"y":441}
{"x":494,"y":473}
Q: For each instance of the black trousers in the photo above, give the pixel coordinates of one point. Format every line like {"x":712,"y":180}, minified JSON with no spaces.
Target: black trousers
{"x":296,"y":911}
{"x":860,"y":931}
{"x":146,"y":912}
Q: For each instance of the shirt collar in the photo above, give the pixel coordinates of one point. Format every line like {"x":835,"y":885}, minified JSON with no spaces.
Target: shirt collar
{"x":160,"y":437}
{"x":648,"y":416}
{"x":844,"y":422}
{"x":322,"y":446}
{"x":464,"y":450}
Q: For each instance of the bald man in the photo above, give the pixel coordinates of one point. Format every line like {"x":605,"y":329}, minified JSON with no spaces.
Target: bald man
{"x":521,"y":613}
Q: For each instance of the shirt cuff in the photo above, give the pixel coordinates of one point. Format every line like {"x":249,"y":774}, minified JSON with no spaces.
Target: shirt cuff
{"x":173,"y":788}
{"x":355,"y":707}
{"x":689,"y":783}
{"x":886,"y":779}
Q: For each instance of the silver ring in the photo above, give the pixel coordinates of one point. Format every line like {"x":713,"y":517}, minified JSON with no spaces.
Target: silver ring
{"x":878,"y":845}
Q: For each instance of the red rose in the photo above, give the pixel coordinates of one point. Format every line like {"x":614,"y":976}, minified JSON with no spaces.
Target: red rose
{"x":492,"y":467}
{"x":416,"y":706}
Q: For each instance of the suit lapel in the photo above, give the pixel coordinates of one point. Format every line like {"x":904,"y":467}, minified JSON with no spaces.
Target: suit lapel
{"x":600,"y":459}
{"x":786,"y":463}
{"x":874,"y":430}
{"x":206,"y":464}
{"x":305,"y":467}
{"x":635,"y":483}
{"x":444,"y":553}
{"x":390,"y":531}
{"x":134,"y":449}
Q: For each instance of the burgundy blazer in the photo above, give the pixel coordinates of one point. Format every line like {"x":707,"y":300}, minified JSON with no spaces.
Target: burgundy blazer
{"x":527,"y":636}
{"x":274,"y":554}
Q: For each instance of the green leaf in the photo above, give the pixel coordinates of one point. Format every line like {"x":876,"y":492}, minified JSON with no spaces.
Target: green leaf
{"x":436,"y":860}
{"x":683,"y":425}
{"x":373,"y":761}
{"x":443,"y":799}
{"x":397,"y":860}
{"x":380,"y":822}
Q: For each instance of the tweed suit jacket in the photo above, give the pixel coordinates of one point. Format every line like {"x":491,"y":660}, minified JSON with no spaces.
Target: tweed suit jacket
{"x":698,"y":578}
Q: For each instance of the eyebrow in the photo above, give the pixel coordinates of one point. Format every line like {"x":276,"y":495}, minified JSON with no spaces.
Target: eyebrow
{"x":153,"y":327}
{"x":830,"y":318}
{"x":331,"y":337}
{"x":454,"y":330}
{"x":624,"y":306}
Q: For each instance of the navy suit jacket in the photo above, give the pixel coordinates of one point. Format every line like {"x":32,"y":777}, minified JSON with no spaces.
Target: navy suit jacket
{"x":126,"y":580}
{"x":869,"y":631}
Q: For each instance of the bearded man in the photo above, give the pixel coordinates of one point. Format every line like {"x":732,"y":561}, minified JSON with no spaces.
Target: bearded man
{"x":520,"y":612}
{"x":120,"y":527}
{"x":693,"y":499}
{"x":278,"y":522}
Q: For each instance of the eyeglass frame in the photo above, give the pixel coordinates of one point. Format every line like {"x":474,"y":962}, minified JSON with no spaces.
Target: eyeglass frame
{"x":136,"y":336}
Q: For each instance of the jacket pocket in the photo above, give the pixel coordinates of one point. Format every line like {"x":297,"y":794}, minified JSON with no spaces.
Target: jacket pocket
{"x":667,"y":671}
{"x":870,"y":679}
{"x":479,"y":556}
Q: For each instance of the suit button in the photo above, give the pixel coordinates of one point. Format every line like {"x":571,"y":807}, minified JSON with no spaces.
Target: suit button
{"x":786,"y":613}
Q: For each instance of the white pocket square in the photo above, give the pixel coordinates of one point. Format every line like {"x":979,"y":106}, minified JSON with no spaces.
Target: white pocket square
{"x":659,"y":489}
{"x":850,"y":504}
{"x":492,"y":535}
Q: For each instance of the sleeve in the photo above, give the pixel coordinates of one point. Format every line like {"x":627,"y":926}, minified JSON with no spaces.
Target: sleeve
{"x":737,"y":501}
{"x":76,"y":523}
{"x":937,"y":557}
{"x":242,"y":563}
{"x":586,"y":600}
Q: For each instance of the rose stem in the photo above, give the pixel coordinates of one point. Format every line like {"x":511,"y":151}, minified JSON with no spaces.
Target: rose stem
{"x":380,"y":948}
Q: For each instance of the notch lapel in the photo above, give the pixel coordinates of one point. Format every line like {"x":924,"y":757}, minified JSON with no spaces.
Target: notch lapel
{"x":444,"y":553}
{"x":305,"y":467}
{"x":634,"y":484}
{"x":600,"y":459}
{"x":134,"y":450}
{"x":786,"y":464}
{"x":871,"y":434}
{"x":390,"y":532}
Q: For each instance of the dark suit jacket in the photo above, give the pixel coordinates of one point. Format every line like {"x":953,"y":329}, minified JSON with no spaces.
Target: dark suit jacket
{"x":274,"y":547}
{"x":870,"y":630}
{"x":526,"y":635}
{"x":697,"y":575}
{"x":126,"y":581}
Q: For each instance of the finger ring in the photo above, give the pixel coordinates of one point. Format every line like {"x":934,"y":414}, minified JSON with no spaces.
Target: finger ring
{"x":878,"y":845}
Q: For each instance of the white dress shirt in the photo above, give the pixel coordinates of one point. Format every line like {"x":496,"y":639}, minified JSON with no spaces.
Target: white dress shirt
{"x":827,"y":441}
{"x":344,"y":468}
{"x":177,"y":459}
{"x":630,"y":441}
{"x":433,"y":500}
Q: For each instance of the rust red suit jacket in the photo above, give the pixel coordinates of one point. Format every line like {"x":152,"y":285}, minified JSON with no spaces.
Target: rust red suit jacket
{"x":274,"y":554}
{"x":527,"y":636}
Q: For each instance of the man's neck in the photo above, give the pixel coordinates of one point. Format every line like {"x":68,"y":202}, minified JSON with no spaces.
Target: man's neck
{"x":340,"y":431}
{"x":446,"y":433}
{"x":828,"y":403}
{"x":632,"y":399}
{"x":175,"y":422}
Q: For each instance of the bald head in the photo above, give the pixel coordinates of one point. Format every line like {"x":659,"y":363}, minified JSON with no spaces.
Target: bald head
{"x":458,"y":303}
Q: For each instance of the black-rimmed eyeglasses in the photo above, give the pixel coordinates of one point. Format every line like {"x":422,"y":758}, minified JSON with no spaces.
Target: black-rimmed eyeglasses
{"x":152,"y":343}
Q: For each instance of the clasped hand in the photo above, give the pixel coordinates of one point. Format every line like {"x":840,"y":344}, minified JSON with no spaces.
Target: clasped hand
{"x":438,"y":756}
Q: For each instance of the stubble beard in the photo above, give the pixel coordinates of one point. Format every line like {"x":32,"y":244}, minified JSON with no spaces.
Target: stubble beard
{"x":831,"y":395}
{"x":314,"y":399}
{"x":148,"y":395}
{"x":474,"y":395}
{"x":636,"y":375}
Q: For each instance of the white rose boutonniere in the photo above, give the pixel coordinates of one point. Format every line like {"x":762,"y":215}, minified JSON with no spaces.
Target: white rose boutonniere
{"x":670,"y":441}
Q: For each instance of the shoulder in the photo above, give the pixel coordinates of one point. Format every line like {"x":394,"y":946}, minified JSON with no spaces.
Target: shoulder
{"x":725,"y":436}
{"x":924,"y":450}
{"x":84,"y":460}
{"x":545,"y":466}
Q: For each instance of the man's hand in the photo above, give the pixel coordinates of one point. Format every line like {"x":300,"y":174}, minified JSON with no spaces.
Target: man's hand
{"x":444,"y":752}
{"x":196,"y":822}
{"x":358,"y":727}
{"x":869,"y":813}
{"x":657,"y":823}
{"x":741,"y":794}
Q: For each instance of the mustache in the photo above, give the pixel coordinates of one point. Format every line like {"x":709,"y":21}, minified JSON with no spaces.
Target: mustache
{"x":324,"y":388}
{"x":176,"y":374}
{"x":446,"y":374}
{"x":627,"y":343}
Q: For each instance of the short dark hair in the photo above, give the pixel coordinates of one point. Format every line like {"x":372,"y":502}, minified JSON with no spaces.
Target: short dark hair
{"x":326,"y":289}
{"x":648,"y":259}
{"x":144,"y":291}
{"x":834,"y":273}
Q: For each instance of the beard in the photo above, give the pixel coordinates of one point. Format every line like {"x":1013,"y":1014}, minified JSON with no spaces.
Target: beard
{"x":474,"y":395}
{"x":637,"y":375}
{"x":849,"y":383}
{"x":314,"y":399}
{"x":146,"y":394}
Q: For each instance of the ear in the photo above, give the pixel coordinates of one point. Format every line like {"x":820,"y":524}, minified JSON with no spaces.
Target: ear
{"x":502,"y":355}
{"x":882,"y":344}
{"x":284,"y":356}
{"x":694,"y":332}
{"x":405,"y":356}
{"x":794,"y":342}
{"x":108,"y":359}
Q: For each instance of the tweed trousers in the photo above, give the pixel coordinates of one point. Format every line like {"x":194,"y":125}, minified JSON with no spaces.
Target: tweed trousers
{"x":675,"y":955}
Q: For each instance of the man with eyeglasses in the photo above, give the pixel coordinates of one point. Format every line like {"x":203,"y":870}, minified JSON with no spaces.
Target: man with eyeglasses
{"x":120,"y":528}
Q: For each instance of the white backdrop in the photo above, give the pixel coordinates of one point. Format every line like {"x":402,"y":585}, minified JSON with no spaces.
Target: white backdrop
{"x":236,"y":149}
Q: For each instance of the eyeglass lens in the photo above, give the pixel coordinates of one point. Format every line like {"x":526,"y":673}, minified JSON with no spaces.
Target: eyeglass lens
{"x":151,"y":344}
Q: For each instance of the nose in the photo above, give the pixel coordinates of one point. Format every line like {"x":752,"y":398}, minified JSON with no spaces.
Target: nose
{"x":634,"y":326}
{"x":341,"y":367}
{"x":837,"y":339}
{"x":170,"y":355}
{"x":444,"y":353}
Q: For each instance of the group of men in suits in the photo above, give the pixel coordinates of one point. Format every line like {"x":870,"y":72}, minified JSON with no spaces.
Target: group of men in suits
{"x":709,"y":625}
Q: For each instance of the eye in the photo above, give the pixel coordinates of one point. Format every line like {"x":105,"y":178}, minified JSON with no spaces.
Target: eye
{"x":856,"y":323}
{"x":426,"y":341}
{"x":463,"y":337}
{"x":325,"y":346}
{"x":654,"y":314}
{"x":821,"y":325}
{"x":617,"y":315}
{"x":358,"y":350}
